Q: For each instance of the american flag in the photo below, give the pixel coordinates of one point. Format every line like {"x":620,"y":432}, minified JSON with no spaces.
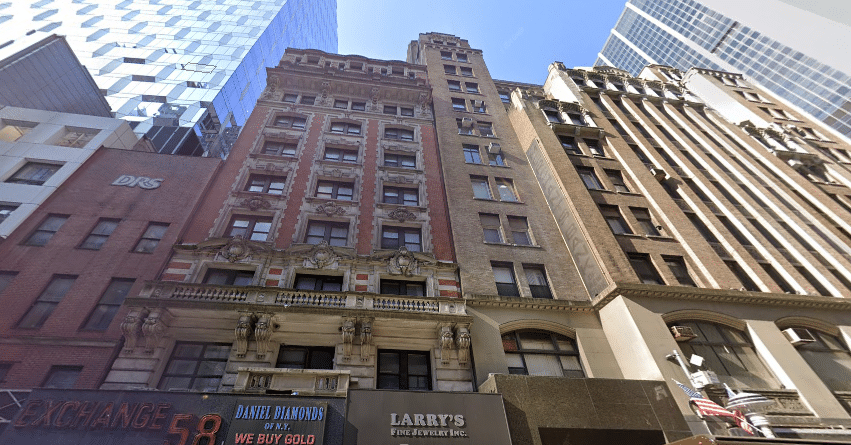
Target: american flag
{"x":705,"y":407}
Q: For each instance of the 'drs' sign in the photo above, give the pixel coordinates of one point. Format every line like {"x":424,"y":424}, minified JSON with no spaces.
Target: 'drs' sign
{"x":141,"y":181}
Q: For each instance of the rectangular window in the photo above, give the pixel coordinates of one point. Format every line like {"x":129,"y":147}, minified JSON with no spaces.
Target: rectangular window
{"x":408,"y":370}
{"x":466,"y":71}
{"x":11,"y":131}
{"x":569,"y":145}
{"x":308,"y":100}
{"x":396,"y":237}
{"x":291,"y":98}
{"x":505,"y":97}
{"x":471,"y":87}
{"x":615,"y":220}
{"x":77,"y":137}
{"x":345,"y":128}
{"x":151,"y":238}
{"x":678,"y":267}
{"x":341,"y":155}
{"x":552,"y":116}
{"x":461,"y":57}
{"x":333,"y":283}
{"x":273,"y":185}
{"x":280,"y":148}
{"x":6,"y":210}
{"x":491,"y":227}
{"x":471,"y":154}
{"x":478,"y":106}
{"x":62,"y":377}
{"x":4,"y":371}
{"x":465,"y":125}
{"x":519,"y":230}
{"x":537,"y":279}
{"x":255,"y":228}
{"x":506,"y":190}
{"x":396,"y":287}
{"x":402,"y":134}
{"x":305,"y":357}
{"x":110,"y":301}
{"x":595,"y":148}
{"x":485,"y":129}
{"x":401,"y":161}
{"x":290,"y":122}
{"x":343,"y":104}
{"x":643,"y":267}
{"x":405,"y":111}
{"x":506,"y":285}
{"x":46,"y":230}
{"x":100,"y":234}
{"x":481,"y":189}
{"x":449,"y":69}
{"x":642,"y":215}
{"x":496,"y":159}
{"x":6,"y":279}
{"x":47,"y":301}
{"x":445,"y":55}
{"x":34,"y":173}
{"x":196,"y":366}
{"x":401,"y":196}
{"x":334,"y":233}
{"x":775,"y":275}
{"x":229,"y":277}
{"x":744,"y":278}
{"x":390,"y":109}
{"x":576,"y":118}
{"x":616,"y":178}
{"x":358,"y":106}
{"x":454,"y":85}
{"x":335,"y":190}
{"x":459,"y":104}
{"x":589,"y":178}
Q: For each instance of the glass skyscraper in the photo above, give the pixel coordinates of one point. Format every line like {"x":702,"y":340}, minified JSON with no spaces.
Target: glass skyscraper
{"x":186,"y":73}
{"x":775,"y":44}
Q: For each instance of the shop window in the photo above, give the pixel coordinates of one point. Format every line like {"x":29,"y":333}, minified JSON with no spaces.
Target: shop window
{"x":541,"y":353}
{"x":335,"y":190}
{"x":47,"y":301}
{"x":62,"y":377}
{"x":332,"y":232}
{"x":255,"y":228}
{"x":46,"y":230}
{"x":108,"y":305}
{"x":273,"y":185}
{"x":341,"y":155}
{"x":34,"y":173}
{"x":401,"y":196}
{"x":151,"y":238}
{"x":195,"y":366}
{"x":229,"y":277}
{"x":97,"y":238}
{"x":506,"y":284}
{"x":305,"y":357}
{"x":396,"y":237}
{"x":409,"y":288}
{"x":407,"y":370}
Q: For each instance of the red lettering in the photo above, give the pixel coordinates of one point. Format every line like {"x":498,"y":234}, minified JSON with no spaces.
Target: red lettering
{"x":243,"y":438}
{"x":102,"y":420}
{"x":208,"y":432}
{"x":310,"y":439}
{"x":58,"y":423}
{"x":28,"y":411}
{"x":124,"y":415}
{"x":174,"y":428}
{"x":46,"y":418}
{"x":158,"y":415}
{"x":141,"y":421}
{"x":84,"y":414}
{"x":261,"y":439}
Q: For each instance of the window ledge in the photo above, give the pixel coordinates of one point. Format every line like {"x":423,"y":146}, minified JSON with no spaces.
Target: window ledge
{"x":533,"y":246}
{"x":660,"y":238}
{"x":399,"y":169}
{"x":340,"y":163}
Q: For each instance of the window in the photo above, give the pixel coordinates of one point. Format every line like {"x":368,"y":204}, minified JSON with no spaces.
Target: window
{"x":396,"y":237}
{"x":78,"y":137}
{"x":152,"y":236}
{"x":403,"y":370}
{"x":229,"y":277}
{"x":409,"y":288}
{"x":6,"y":279}
{"x":465,"y":125}
{"x":405,"y":111}
{"x":110,"y":301}
{"x":589,"y":178}
{"x":678,"y":267}
{"x":290,"y":122}
{"x":491,"y":227}
{"x":358,"y":106}
{"x":505,"y":97}
{"x":318,"y":282}
{"x":481,"y":189}
{"x":62,"y":377}
{"x":402,"y":134}
{"x":445,"y":55}
{"x":541,"y":353}
{"x":390,"y":109}
{"x":729,"y":352}
{"x":466,"y":71}
{"x":576,"y":118}
{"x":45,"y":231}
{"x":334,"y":233}
{"x":341,"y":155}
{"x":496,"y":159}
{"x":308,"y":100}
{"x":616,"y":178}
{"x":471,"y":154}
{"x":255,"y":228}
{"x":305,"y":357}
{"x":273,"y":185}
{"x":615,"y":220}
{"x":471,"y":87}
{"x":485,"y":129}
{"x":449,"y":69}
{"x":595,"y":148}
{"x":341,"y":104}
{"x":506,"y":285}
{"x":744,"y":278}
{"x":461,"y":57}
{"x":34,"y":173}
{"x":335,"y":190}
{"x":505,"y":187}
{"x":195,"y":366}
{"x":6,"y":210}
{"x":459,"y":104}
{"x":100,"y":234}
{"x":47,"y":301}
{"x":454,"y":85}
{"x":569,"y":145}
{"x":537,"y":279}
{"x":401,"y":196}
{"x":642,"y":215}
{"x":291,"y":98}
{"x":829,"y":358}
{"x":345,"y":128}
{"x":402,"y":161}
{"x":4,"y":371}
{"x":643,"y":267}
{"x":478,"y":106}
{"x":280,"y":148}
{"x":519,"y":228}
{"x":552,"y":116}
{"x":11,"y":131}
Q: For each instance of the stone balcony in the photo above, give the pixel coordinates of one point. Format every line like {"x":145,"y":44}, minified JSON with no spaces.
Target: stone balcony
{"x":304,"y":382}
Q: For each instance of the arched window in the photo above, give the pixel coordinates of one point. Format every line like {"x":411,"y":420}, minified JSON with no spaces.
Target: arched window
{"x":541,"y":353}
{"x":729,"y":353}
{"x":827,"y":355}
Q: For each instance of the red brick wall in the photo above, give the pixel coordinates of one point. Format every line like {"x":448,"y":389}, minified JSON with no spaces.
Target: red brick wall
{"x":438,"y":209}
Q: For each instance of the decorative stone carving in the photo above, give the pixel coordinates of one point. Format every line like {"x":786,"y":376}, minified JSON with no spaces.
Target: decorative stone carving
{"x":326,"y":93}
{"x":262,"y":333}
{"x":132,"y":328}
{"x":463,"y":342}
{"x":153,"y":329}
{"x":446,"y":343}
{"x":331,"y":209}
{"x":365,"y":339}
{"x":271,"y":87}
{"x":241,"y":334}
{"x":403,"y":262}
{"x":321,"y":255}
{"x":401,"y":214}
{"x":237,"y":249}
{"x":348,"y":333}
{"x":256,"y":203}
{"x":423,"y":102}
{"x":374,"y":95}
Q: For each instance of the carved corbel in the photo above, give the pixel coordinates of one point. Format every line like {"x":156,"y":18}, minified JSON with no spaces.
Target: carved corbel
{"x":365,"y":339}
{"x":241,"y":334}
{"x":463,"y":342}
{"x":446,"y":342}
{"x":153,"y":329}
{"x":262,"y":333}
{"x":348,"y":333}
{"x":132,"y":328}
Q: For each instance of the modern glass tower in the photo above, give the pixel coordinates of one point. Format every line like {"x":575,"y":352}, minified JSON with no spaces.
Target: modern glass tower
{"x":789,"y":51}
{"x":186,"y":73}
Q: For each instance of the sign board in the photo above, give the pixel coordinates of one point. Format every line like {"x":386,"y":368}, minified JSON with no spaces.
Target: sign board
{"x":425,"y":418}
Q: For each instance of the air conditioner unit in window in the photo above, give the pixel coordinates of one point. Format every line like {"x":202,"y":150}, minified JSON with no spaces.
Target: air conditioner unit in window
{"x":659,"y":174}
{"x":702,"y":379}
{"x":466,"y":122}
{"x":683,"y":333}
{"x":478,"y":104}
{"x":799,"y":336}
{"x":494,"y":148}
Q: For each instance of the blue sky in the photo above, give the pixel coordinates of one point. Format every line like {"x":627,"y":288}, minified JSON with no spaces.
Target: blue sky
{"x":519,"y":40}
